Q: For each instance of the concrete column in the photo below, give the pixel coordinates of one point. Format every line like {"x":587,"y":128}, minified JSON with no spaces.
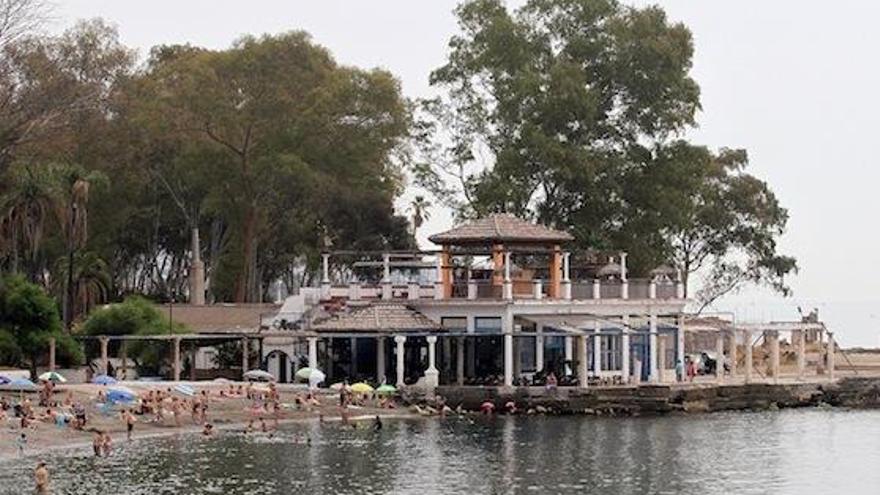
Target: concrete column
{"x":52,"y":354}
{"x":624,"y":351}
{"x":459,"y":361}
{"x":719,"y":352}
{"x":623,"y":271}
{"x":583,"y":367}
{"x":352,"y":345}
{"x":508,"y":359}
{"x":747,"y":339}
{"x":652,"y":344}
{"x":400,"y":340}
{"x":661,"y":358}
{"x":472,"y":289}
{"x":597,"y":289}
{"x":325,"y":274}
{"x":597,"y":348}
{"x":123,"y":351}
{"x":801,"y":353}
{"x":432,"y":376}
{"x":313,"y":352}
{"x":566,"y":276}
{"x":104,"y":360}
{"x":774,"y":355}
{"x":830,"y":349}
{"x":679,"y":343}
{"x":386,"y":277}
{"x":732,"y":354}
{"x":438,"y":283}
{"x":679,"y":286}
{"x":412,"y":291}
{"x":380,"y":360}
{"x":354,"y":291}
{"x":175,"y":358}
{"x":539,"y":349}
{"x":192,"y":369}
{"x":537,"y":290}
{"x":652,"y":289}
{"x":508,"y":283}
{"x":568,"y":350}
{"x":245,"y":356}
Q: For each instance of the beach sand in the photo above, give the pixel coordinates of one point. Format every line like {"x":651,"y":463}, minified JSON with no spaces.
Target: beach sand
{"x":223,"y":413}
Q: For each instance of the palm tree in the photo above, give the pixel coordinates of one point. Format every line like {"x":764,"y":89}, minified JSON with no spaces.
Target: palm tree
{"x":72,"y":186}
{"x":419,"y":207}
{"x":24,"y":210}
{"x":91,"y":280}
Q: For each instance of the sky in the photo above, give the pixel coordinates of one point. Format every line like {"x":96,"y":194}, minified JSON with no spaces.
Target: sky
{"x":793,"y":82}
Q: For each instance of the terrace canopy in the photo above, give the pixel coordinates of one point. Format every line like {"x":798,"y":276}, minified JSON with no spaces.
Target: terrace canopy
{"x":498,"y":235}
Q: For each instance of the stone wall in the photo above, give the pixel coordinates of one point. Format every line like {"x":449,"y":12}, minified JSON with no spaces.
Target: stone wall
{"x":664,"y":399}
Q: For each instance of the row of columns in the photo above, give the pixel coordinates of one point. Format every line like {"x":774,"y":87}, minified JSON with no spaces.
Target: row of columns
{"x":772,"y":339}
{"x":443,"y":281}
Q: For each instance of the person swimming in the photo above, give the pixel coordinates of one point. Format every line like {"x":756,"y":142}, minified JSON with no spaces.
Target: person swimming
{"x":41,"y":477}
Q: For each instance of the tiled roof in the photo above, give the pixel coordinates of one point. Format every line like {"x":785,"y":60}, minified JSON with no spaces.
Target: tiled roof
{"x":500,"y":227}
{"x":377,"y":317}
{"x":221,"y":318}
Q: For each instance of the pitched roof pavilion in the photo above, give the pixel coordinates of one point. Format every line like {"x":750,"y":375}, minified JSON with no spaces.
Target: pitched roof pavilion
{"x":500,"y":228}
{"x":378,"y":317}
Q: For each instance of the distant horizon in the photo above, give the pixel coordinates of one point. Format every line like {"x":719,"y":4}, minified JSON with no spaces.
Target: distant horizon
{"x":799,"y":96}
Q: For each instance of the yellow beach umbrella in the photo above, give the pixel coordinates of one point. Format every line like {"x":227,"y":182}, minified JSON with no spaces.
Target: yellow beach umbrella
{"x":361,"y":388}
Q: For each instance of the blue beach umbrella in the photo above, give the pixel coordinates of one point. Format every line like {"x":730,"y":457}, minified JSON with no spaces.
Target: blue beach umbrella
{"x":22,"y":383}
{"x":121,"y":394}
{"x":104,"y":380}
{"x":4,"y":380}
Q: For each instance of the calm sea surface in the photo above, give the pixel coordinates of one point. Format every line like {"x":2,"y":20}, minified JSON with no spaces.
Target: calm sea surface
{"x":802,"y":451}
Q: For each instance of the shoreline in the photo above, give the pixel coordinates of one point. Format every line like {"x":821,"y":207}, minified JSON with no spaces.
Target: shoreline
{"x":73,"y":444}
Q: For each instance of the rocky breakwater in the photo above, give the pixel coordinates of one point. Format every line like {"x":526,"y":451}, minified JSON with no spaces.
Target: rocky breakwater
{"x":666,"y":399}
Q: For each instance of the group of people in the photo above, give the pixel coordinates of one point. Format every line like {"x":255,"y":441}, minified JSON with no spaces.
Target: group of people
{"x":162,"y":404}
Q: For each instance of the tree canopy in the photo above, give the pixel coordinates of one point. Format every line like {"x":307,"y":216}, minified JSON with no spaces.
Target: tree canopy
{"x":266,"y":152}
{"x":572,"y":112}
{"x":28,"y":321}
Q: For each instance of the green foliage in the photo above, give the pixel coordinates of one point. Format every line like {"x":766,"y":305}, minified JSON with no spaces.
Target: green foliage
{"x":134,"y":316}
{"x":269,"y":151}
{"x":28,"y":320}
{"x":574,"y":108}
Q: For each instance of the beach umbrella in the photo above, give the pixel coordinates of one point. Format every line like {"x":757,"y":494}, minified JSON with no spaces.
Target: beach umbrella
{"x":52,"y":376}
{"x":337,"y":386}
{"x":104,"y":380}
{"x":361,"y":388}
{"x":4,"y":380}
{"x":487,"y":407}
{"x":305,"y":373}
{"x":315,"y":378}
{"x":121,"y":394}
{"x":386,"y":389}
{"x":22,"y":384}
{"x":258,"y":375}
{"x":184,"y":390}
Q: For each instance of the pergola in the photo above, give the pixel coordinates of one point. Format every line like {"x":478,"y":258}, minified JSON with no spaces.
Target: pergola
{"x":498,"y":236}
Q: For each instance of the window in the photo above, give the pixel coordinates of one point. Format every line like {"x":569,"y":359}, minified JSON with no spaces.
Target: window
{"x":487,"y":325}
{"x":527,"y":353}
{"x":610,"y":352}
{"x":454,"y":323}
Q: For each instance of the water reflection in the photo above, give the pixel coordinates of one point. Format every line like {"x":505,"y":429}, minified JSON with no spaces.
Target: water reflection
{"x":808,"y":451}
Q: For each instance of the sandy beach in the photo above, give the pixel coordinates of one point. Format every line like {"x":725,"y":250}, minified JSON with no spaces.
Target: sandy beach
{"x":224,"y":413}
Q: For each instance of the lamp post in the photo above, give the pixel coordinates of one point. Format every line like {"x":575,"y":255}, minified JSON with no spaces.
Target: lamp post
{"x":71,"y":248}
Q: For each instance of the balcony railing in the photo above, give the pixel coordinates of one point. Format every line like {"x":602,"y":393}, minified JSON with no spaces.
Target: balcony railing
{"x":637,"y":289}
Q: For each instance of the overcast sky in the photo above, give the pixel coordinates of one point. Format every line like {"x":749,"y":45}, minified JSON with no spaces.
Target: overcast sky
{"x":795,"y":83}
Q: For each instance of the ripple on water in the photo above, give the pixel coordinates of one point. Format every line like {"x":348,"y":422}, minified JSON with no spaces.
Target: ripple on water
{"x":773,"y":452}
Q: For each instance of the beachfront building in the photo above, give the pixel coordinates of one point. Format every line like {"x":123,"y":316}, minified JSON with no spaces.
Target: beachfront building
{"x":502,"y":300}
